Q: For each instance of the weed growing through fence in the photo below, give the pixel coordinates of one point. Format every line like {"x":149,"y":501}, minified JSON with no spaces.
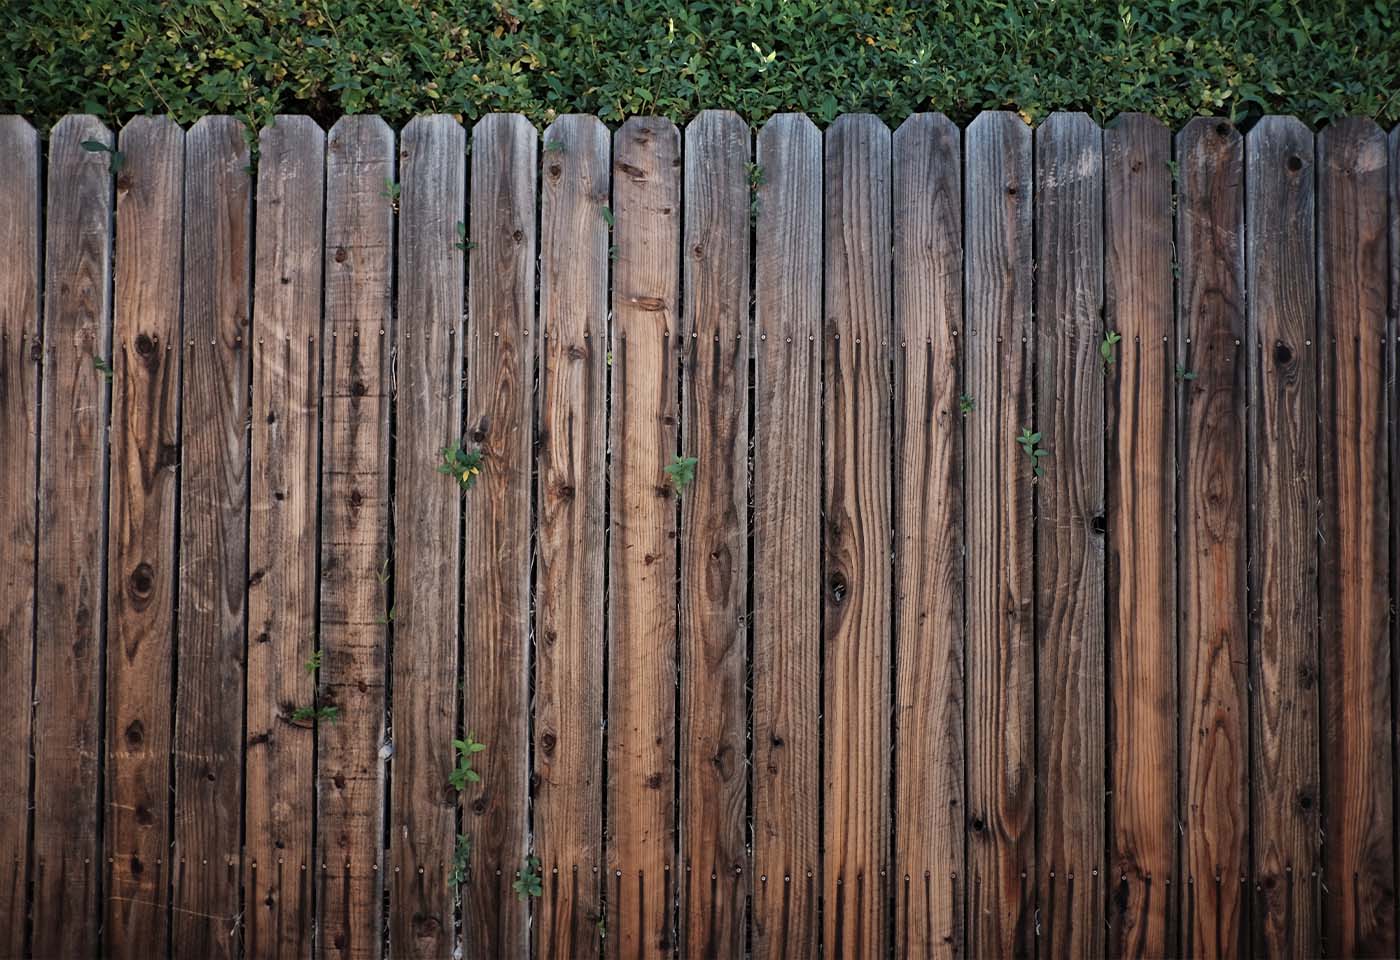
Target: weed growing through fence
{"x":554,"y":146}
{"x":462,"y":242}
{"x":115,"y":158}
{"x":757,"y":178}
{"x":103,"y":367}
{"x":966,"y":404}
{"x":1110,"y":340}
{"x":391,"y":193}
{"x":462,"y":465}
{"x":681,"y":472}
{"x":463,"y":773}
{"x":528,"y":882}
{"x":1183,"y":374}
{"x":328,"y":713}
{"x":1030,"y":443}
{"x":608,"y":216}
{"x":313,"y":663}
{"x":461,"y":855}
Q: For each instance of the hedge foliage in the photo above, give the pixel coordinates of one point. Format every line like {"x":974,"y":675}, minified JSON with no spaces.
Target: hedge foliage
{"x":1317,"y":59}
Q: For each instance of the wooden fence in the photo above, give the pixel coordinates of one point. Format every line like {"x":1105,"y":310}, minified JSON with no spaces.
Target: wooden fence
{"x":1032,"y":594}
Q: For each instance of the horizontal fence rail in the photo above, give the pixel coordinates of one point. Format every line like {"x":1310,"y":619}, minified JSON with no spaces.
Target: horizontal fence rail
{"x":707,"y":542}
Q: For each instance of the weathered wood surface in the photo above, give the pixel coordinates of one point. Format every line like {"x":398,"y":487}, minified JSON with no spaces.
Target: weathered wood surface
{"x":141,"y":555}
{"x":1282,"y":356}
{"x":998,"y":584}
{"x":1140,"y":505}
{"x":786,"y":538}
{"x":214,"y":450}
{"x":353,"y":632}
{"x":1211,"y":521}
{"x":571,"y":514}
{"x":929,"y":854}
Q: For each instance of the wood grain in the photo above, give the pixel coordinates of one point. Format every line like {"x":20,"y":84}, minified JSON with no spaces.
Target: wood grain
{"x":1070,"y":524}
{"x":1357,"y":782}
{"x":70,"y":609}
{"x":427,"y":543}
{"x":857,"y":418}
{"x":1280,"y":260}
{"x":282,"y":548}
{"x":571,"y":509}
{"x":928,"y":537}
{"x":500,"y":422}
{"x":999,"y":589}
{"x":142,"y":512}
{"x":354,"y":624}
{"x":1140,"y":500}
{"x":208,"y":732}
{"x":787,"y":539}
{"x":1211,"y":536}
{"x":21,"y":206}
{"x":714,"y":564}
{"x":642,"y":549}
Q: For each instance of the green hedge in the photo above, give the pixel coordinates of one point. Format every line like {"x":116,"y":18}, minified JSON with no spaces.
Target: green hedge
{"x":1317,"y":59}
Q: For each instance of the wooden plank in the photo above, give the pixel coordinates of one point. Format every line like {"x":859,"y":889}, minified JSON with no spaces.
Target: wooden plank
{"x":642,"y":551}
{"x":427,"y":546}
{"x":500,"y":421}
{"x":141,"y":558}
{"x":1070,"y":525}
{"x":355,"y":602}
{"x":21,"y":205}
{"x":282,"y":550}
{"x":1283,"y":548}
{"x":1141,"y":564}
{"x":571,"y":517}
{"x":999,"y":586}
{"x":1211,"y":532}
{"x":1353,"y":590}
{"x":787,"y":540}
{"x":928,"y":537}
{"x":857,"y":510}
{"x":208,"y":728}
{"x":714,"y":537}
{"x":70,"y":610}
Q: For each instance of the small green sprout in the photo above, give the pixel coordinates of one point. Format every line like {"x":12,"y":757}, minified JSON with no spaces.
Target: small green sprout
{"x":966,"y":404}
{"x":554,"y":146}
{"x":681,"y":472}
{"x":391,"y":193}
{"x":461,"y":855}
{"x":464,"y":466}
{"x":528,"y":882}
{"x":608,"y":216}
{"x":462,"y":242}
{"x":115,"y":158}
{"x":313,"y":663}
{"x":1110,"y":340}
{"x":1183,"y":374}
{"x":307,"y":714}
{"x":103,"y":367}
{"x":463,"y":773}
{"x":1030,"y":443}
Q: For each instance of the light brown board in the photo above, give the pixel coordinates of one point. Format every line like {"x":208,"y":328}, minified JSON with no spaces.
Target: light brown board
{"x":208,"y":728}
{"x":1070,"y":364}
{"x":427,"y":511}
{"x":714,"y":536}
{"x":1357,"y":784}
{"x":1140,"y":494}
{"x":500,"y":422}
{"x":857,"y":417}
{"x":355,"y":603}
{"x":1000,"y":713}
{"x":786,"y":539}
{"x":928,"y":538}
{"x":282,"y":548}
{"x":643,"y":414}
{"x":1213,"y":709}
{"x":70,"y":610}
{"x":141,"y":558}
{"x":21,"y":205}
{"x":571,"y":509}
{"x":1283,"y":545}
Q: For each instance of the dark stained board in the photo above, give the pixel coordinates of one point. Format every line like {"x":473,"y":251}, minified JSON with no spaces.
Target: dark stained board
{"x":929,"y":867}
{"x":21,"y":206}
{"x":208,"y":729}
{"x":427,"y":546}
{"x":1282,"y":354}
{"x":1140,"y":498}
{"x":1070,"y":366}
{"x":499,"y":412}
{"x":714,"y":536}
{"x":786,"y":539}
{"x":70,"y":609}
{"x":643,"y":429}
{"x":356,"y":357}
{"x":282,"y":544}
{"x":858,"y":422}
{"x":1357,"y":779}
{"x":142,"y":513}
{"x":1000,"y":714}
{"x":571,"y":510}
{"x":1211,"y":522}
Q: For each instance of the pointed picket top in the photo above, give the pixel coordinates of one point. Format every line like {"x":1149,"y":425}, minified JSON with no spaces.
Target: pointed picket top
{"x":84,"y":128}
{"x":715,"y":122}
{"x":1207,"y":130}
{"x":795,"y":126}
{"x":363,"y":127}
{"x":1355,"y":145}
{"x":425,"y":122}
{"x":867,"y":124}
{"x":144,"y":124}
{"x":579,"y":127}
{"x":935,"y":127}
{"x":1136,"y":120}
